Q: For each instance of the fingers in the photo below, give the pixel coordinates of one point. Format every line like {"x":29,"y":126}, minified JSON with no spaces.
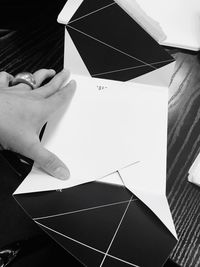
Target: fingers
{"x":40,"y":76}
{"x":48,"y":161}
{"x":5,"y":78}
{"x":60,"y":98}
{"x":54,"y":85}
{"x":43,"y":74}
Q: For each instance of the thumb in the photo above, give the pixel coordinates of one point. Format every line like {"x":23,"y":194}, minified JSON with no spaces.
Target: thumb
{"x":48,"y":161}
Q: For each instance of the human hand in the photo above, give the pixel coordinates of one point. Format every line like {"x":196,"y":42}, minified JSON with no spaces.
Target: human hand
{"x":23,"y":112}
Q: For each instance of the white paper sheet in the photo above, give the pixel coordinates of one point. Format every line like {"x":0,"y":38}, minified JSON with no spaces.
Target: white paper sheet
{"x":102,"y":131}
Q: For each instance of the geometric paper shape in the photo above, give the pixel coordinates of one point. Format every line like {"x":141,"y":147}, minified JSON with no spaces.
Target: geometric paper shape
{"x":120,"y":231}
{"x":95,"y":34}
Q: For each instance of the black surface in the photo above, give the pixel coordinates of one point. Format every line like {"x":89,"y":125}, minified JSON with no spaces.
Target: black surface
{"x":110,"y":40}
{"x":21,"y":13}
{"x":14,"y":224}
{"x":42,"y":251}
{"x":36,"y":248}
{"x":112,"y":262}
{"x":99,"y":217}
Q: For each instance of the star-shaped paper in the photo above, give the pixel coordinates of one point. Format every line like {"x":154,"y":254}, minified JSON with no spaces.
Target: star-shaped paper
{"x":114,"y":132}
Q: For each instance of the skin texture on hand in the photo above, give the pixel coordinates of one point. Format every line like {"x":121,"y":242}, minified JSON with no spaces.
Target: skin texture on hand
{"x":23,"y":112}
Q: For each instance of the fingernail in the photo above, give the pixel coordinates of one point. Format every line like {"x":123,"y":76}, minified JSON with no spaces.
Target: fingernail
{"x":62,"y":173}
{"x":53,"y":71}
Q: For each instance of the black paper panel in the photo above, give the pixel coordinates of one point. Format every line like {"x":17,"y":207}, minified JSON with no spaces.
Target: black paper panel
{"x":100,"y":218}
{"x":96,"y":34}
{"x":104,"y":62}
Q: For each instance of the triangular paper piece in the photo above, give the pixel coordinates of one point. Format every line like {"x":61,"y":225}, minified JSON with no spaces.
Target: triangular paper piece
{"x":84,"y":254}
{"x":72,"y":59}
{"x":91,"y":230}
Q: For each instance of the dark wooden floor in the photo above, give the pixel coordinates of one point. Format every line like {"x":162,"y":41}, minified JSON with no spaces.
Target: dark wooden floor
{"x":183,"y":147}
{"x":42,"y":47}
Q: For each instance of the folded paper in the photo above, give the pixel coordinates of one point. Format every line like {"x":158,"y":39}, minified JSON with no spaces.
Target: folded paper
{"x":113,"y":138}
{"x":110,"y":126}
{"x":101,"y":223}
{"x":150,"y":64}
{"x":102,"y":47}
